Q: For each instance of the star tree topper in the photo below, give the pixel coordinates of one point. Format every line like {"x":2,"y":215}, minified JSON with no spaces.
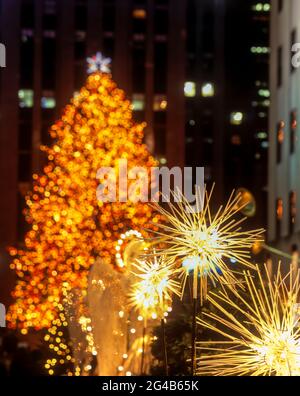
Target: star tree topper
{"x":98,"y":63}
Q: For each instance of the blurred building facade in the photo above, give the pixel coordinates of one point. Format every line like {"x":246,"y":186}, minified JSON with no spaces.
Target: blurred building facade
{"x":164,"y":55}
{"x":284,"y":153}
{"x":196,"y":72}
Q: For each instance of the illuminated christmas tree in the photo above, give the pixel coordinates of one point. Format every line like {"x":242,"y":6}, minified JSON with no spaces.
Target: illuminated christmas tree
{"x":70,"y":228}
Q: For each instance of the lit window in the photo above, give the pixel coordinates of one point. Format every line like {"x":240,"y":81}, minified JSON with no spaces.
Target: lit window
{"x":138,"y":102}
{"x":293,"y":210}
{"x":279,"y":209}
{"x":236,"y":140}
{"x":262,"y":114}
{"x":236,"y":118}
{"x":190,"y":89}
{"x":48,"y":103}
{"x":139,"y":13}
{"x":279,"y":216}
{"x":280,"y":139}
{"x":264,"y":92}
{"x":260,"y":50}
{"x":25,"y":98}
{"x":208,"y":90}
{"x":160,"y":103}
{"x":261,"y":7}
{"x":262,"y":135}
{"x":293,"y":131}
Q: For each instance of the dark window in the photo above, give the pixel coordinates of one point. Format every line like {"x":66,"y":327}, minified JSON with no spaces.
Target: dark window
{"x":280,"y":5}
{"x":80,"y":15}
{"x":138,"y":68}
{"x":25,"y":136}
{"x":293,"y":131}
{"x":160,"y":139}
{"x":109,"y":16}
{"x":292,"y":210}
{"x":208,"y":32}
{"x":80,"y":75}
{"x":160,"y":67}
{"x":293,"y":41}
{"x":161,"y":20}
{"x":26,"y":61}
{"x":108,"y":46}
{"x":49,"y":17}
{"x":49,"y":63}
{"x":279,"y":66}
{"x":27,"y":14}
{"x":280,"y":140}
{"x":24,"y":166}
{"x":80,"y":45}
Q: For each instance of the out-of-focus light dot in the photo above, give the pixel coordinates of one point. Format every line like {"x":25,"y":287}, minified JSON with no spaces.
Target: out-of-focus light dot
{"x":121,"y":314}
{"x":128,"y":373}
{"x":190,"y":89}
{"x":207,"y":90}
{"x":154,"y":316}
{"x":51,"y":372}
{"x":132,"y":331}
{"x":169,"y":309}
{"x":236,"y":118}
{"x":140,"y":318}
{"x":125,"y":356}
{"x":120,"y":368}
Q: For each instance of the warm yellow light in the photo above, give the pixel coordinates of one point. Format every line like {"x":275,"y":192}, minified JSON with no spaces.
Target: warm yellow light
{"x":139,"y":13}
{"x":203,"y":243}
{"x":207,"y":90}
{"x":190,"y":89}
{"x":236,"y":118}
{"x":152,"y":293}
{"x":262,"y":337}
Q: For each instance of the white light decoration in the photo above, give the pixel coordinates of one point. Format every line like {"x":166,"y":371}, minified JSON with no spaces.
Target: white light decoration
{"x":98,"y":63}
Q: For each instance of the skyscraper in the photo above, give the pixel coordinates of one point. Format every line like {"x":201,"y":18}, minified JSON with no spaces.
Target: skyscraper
{"x":190,"y":72}
{"x":283,"y":185}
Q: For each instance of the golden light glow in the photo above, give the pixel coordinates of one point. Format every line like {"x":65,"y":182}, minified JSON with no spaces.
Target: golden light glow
{"x":151,"y":294}
{"x":261,"y":335}
{"x":203,"y":243}
{"x":70,"y":228}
